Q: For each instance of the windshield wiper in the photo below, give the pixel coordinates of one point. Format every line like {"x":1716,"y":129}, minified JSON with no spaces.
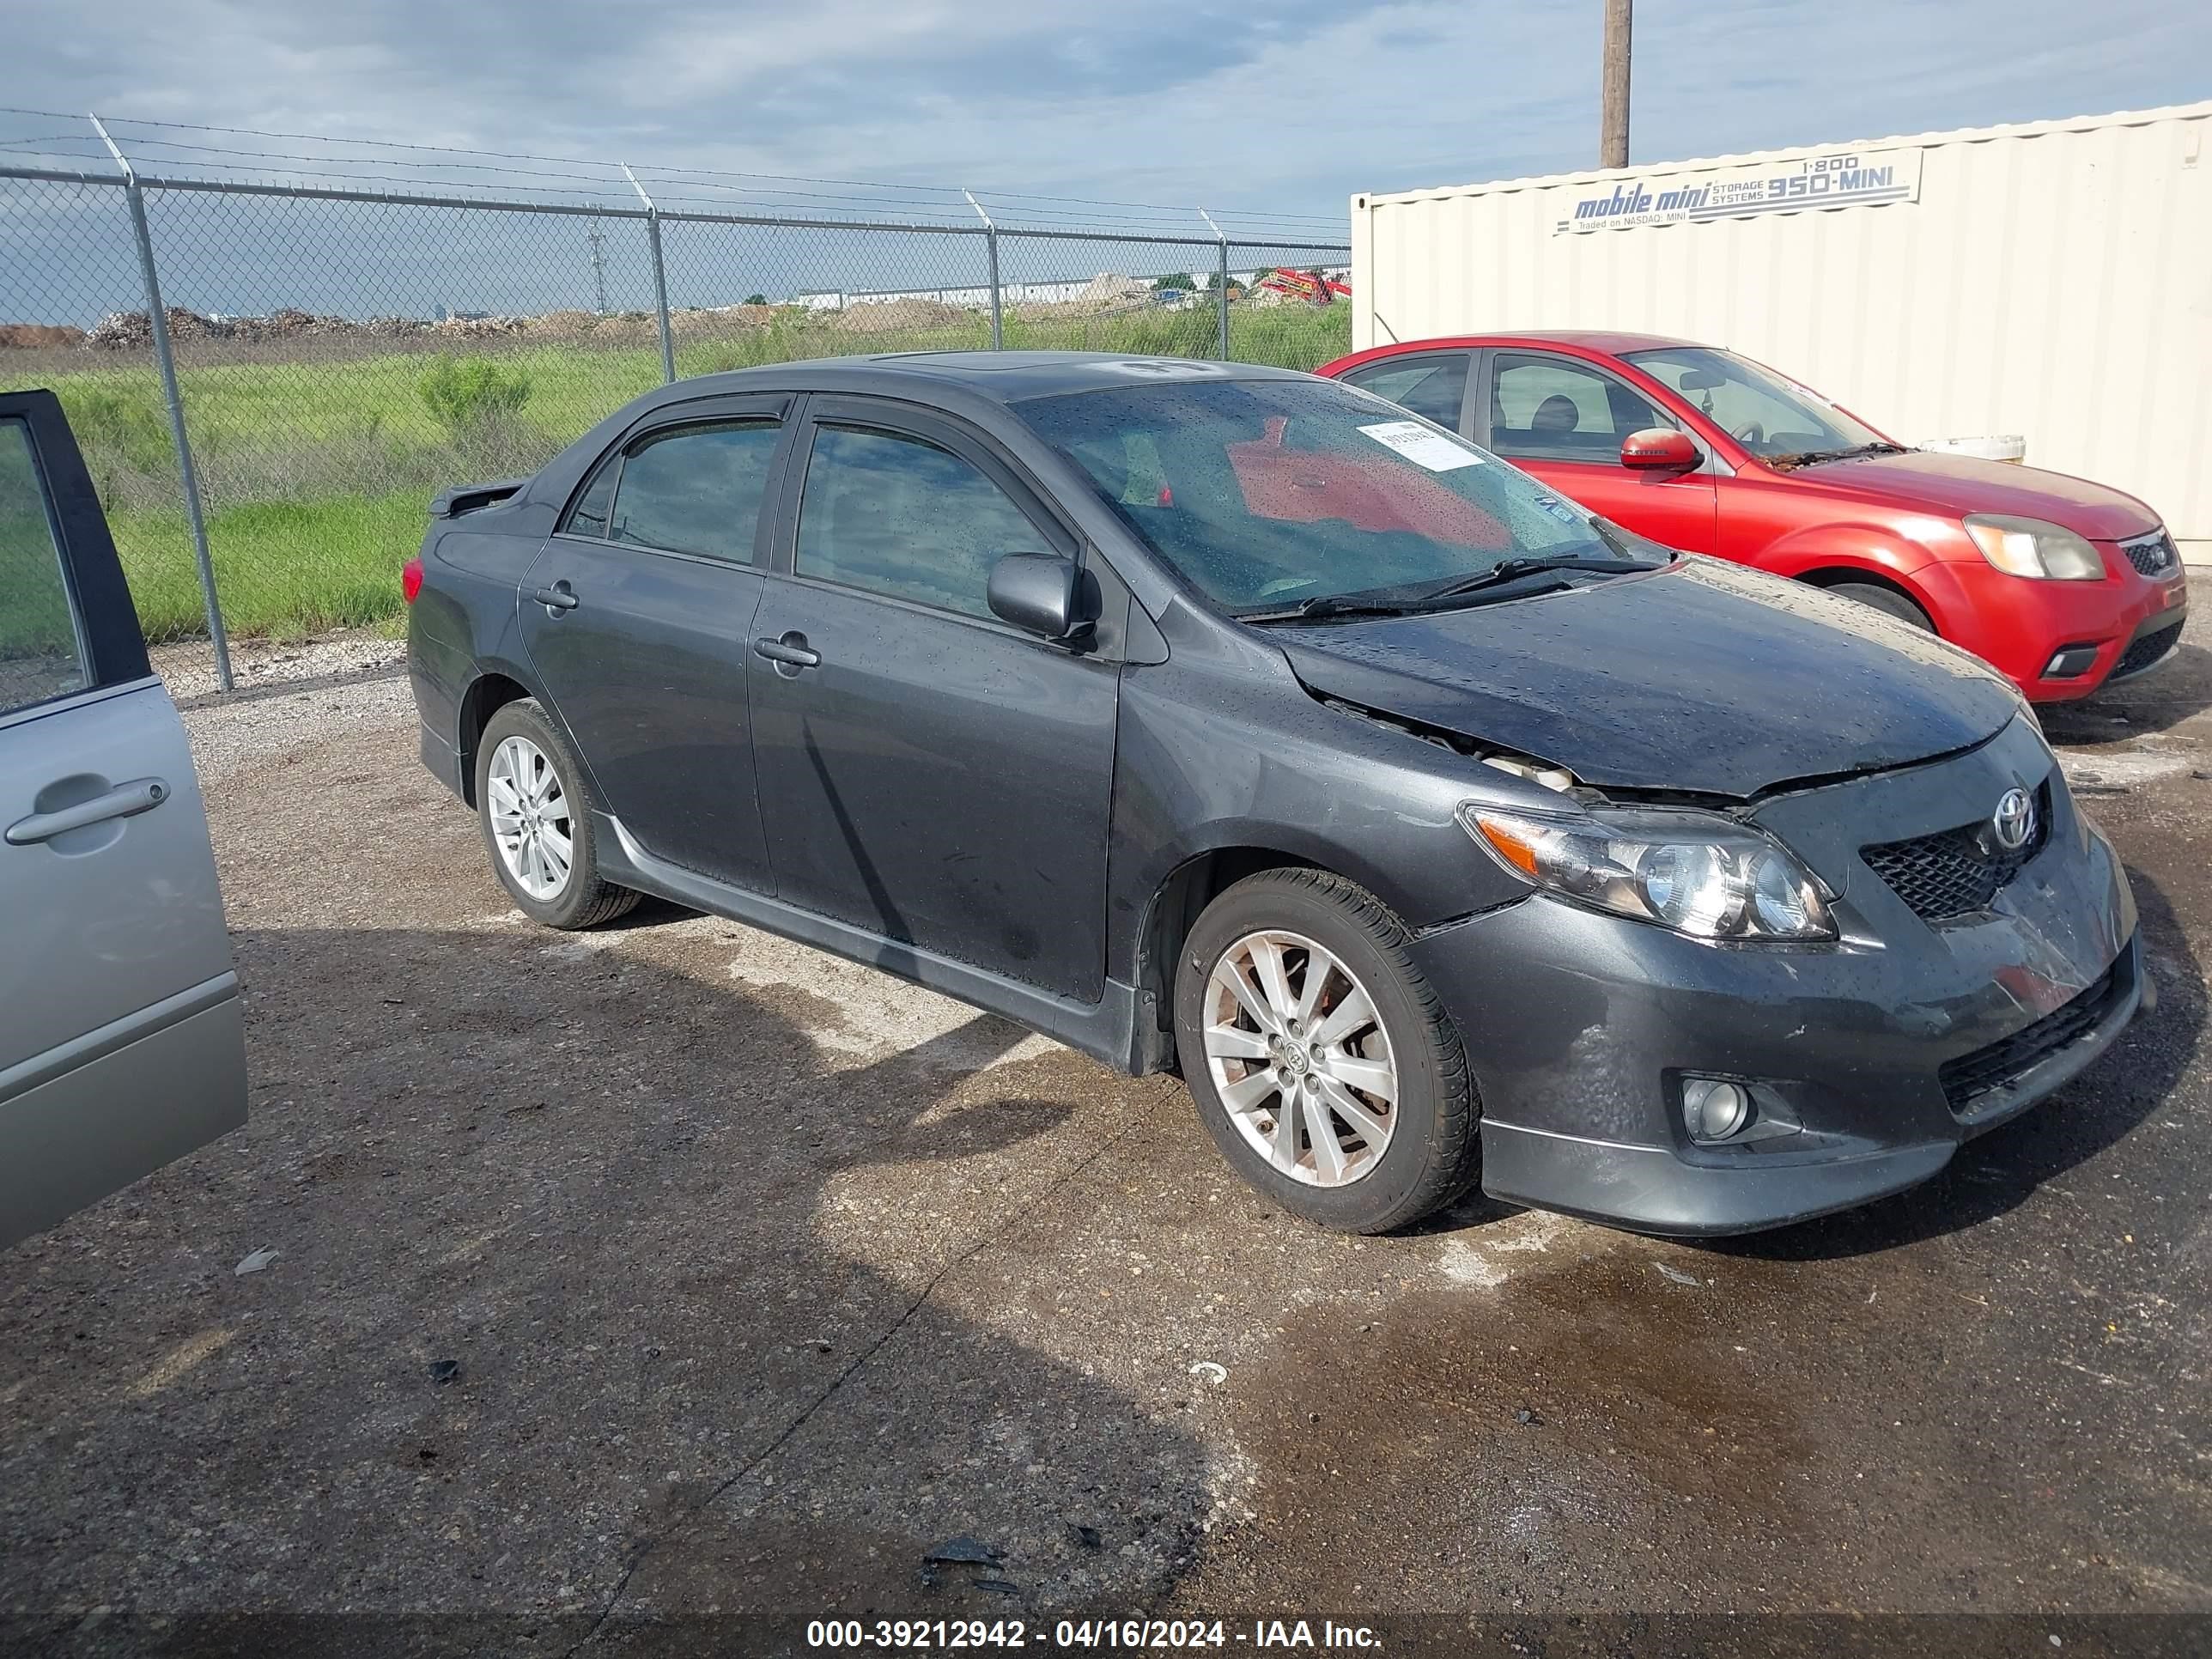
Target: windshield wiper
{"x":1324,"y":605}
{"x":1510,"y":570}
{"x":1621,"y":542}
{"x":1797,"y":458}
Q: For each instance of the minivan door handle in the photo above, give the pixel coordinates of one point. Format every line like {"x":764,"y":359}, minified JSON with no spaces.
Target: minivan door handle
{"x":790,"y":651}
{"x":557,"y":597}
{"x":125,"y":800}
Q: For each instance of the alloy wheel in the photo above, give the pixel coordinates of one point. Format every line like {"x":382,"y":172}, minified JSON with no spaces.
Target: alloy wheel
{"x":1300,"y":1059}
{"x":529,"y":822}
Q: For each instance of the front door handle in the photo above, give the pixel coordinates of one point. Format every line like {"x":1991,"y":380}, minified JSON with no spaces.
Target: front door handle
{"x":791,"y":652}
{"x":125,"y":800}
{"x":557,"y":597}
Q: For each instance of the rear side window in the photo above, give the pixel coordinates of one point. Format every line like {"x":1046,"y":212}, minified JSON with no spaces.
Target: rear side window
{"x":695,"y":490}
{"x":898,"y":515}
{"x":1432,"y":387}
{"x":1551,"y":409}
{"x":42,"y":652}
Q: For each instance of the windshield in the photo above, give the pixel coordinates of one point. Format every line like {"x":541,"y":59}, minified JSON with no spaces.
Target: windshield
{"x":1768,"y":414}
{"x":1272,"y":494}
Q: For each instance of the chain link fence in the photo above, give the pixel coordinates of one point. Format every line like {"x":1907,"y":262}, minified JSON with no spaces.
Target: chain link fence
{"x":341,"y":354}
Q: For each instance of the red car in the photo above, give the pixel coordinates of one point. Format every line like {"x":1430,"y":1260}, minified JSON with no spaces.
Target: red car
{"x":2064,"y":584}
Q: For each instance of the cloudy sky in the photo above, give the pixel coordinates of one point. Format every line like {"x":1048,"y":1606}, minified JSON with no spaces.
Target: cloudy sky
{"x":1278,"y":106}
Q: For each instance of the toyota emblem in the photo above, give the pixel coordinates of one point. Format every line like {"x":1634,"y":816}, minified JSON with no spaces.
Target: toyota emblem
{"x":2013,"y":821}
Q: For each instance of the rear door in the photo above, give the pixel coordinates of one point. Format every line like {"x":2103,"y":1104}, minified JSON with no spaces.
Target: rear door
{"x":638,"y":616}
{"x":1563,"y":419}
{"x":121,"y":1045}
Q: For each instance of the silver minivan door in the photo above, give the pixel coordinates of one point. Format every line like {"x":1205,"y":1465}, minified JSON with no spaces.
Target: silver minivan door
{"x":121,"y":1041}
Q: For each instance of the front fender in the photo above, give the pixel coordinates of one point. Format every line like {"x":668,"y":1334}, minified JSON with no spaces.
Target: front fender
{"x":1203,"y":766}
{"x":1874,"y":549}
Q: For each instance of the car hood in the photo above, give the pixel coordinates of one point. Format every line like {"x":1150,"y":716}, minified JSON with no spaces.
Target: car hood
{"x":1955,"y":485}
{"x":1703,"y":678}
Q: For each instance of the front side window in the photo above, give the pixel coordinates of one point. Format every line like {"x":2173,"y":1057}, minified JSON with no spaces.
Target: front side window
{"x":695,"y":490}
{"x":899,"y":515}
{"x":41,"y":653}
{"x":1769,"y":416}
{"x":1432,"y":387}
{"x":1268,"y":494}
{"x":590,"y":514}
{"x":1551,"y":409}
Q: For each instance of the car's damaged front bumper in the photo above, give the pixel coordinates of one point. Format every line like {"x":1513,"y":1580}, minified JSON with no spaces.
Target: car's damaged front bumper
{"x":1869,"y":1060}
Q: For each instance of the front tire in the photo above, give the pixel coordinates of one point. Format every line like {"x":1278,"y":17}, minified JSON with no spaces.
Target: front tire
{"x":535,"y":808}
{"x":1321,"y":1062}
{"x":1886,"y":599}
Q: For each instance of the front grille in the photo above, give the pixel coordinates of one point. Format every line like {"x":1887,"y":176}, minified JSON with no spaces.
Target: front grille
{"x":2145,"y":650}
{"x":2002,"y":1063}
{"x":1950,"y":874}
{"x":2153,"y":555}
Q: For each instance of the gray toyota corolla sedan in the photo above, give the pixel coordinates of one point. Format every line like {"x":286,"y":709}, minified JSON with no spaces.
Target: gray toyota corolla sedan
{"x":1231,"y":721}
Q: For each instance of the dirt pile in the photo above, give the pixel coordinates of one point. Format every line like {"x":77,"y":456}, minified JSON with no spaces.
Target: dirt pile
{"x":897,"y":316}
{"x":1104,"y":294}
{"x":133,"y":331}
{"x":724,"y":316}
{"x":477,"y":328}
{"x":31,"y":336}
{"x":121,"y":331}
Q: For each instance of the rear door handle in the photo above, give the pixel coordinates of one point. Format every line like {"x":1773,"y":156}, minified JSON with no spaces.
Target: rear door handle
{"x":125,"y":800}
{"x":557,"y":597}
{"x":792,"y":651}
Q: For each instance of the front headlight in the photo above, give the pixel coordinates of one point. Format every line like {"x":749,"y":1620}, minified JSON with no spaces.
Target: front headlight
{"x":1707,"y":876}
{"x":2030,"y":547}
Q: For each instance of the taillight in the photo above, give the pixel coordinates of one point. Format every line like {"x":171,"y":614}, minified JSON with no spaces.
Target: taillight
{"x":410,"y":579}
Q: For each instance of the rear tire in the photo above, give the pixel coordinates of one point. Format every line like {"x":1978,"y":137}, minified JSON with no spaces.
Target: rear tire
{"x":535,"y":809}
{"x":1347,"y":1099}
{"x":1886,"y":599}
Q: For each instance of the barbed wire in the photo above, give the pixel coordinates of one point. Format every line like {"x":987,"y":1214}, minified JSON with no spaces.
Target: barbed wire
{"x":355,"y":161}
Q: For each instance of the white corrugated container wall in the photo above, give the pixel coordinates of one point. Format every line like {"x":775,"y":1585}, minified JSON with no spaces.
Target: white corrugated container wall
{"x":2052,"y":280}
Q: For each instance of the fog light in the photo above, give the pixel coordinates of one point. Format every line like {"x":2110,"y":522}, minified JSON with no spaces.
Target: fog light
{"x":1713,"y":1110}
{"x":2071,"y":663}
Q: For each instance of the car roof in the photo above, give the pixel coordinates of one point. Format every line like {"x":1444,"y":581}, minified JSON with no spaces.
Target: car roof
{"x":1000,"y":376}
{"x":1612,"y":343}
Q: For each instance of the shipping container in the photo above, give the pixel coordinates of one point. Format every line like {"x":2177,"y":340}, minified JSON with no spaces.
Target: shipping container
{"x":2051,"y":280}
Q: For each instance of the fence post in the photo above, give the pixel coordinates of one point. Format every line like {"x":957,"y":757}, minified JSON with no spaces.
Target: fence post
{"x":991,"y":252}
{"x":660,"y":278}
{"x":187,"y":474}
{"x":1221,"y":294}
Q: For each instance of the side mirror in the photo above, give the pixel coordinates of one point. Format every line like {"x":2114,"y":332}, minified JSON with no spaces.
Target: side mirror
{"x":1659,"y":449}
{"x":1038,"y":591}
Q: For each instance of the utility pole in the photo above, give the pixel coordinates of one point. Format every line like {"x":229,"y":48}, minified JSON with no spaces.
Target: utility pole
{"x":1613,"y":139}
{"x":598,"y":271}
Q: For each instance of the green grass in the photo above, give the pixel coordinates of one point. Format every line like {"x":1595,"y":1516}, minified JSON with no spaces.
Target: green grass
{"x":283,"y":568}
{"x":35,"y":625}
{"x":317,"y":475}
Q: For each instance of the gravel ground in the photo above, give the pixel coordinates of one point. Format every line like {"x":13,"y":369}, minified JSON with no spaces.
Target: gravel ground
{"x":633,"y":1284}
{"x":189,"y":667}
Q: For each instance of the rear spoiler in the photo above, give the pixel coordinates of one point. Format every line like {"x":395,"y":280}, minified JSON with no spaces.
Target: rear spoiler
{"x":467,"y":498}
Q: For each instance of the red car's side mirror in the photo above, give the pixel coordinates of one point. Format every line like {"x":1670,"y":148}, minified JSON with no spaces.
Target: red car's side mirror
{"x":1659,"y":449}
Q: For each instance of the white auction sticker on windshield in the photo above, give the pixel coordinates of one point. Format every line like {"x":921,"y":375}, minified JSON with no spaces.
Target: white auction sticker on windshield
{"x":1422,"y":445}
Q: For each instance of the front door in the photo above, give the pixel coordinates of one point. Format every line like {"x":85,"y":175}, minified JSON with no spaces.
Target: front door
{"x":638,"y":618}
{"x":927,"y":772}
{"x":121,"y":1044}
{"x":1564,"y":420}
